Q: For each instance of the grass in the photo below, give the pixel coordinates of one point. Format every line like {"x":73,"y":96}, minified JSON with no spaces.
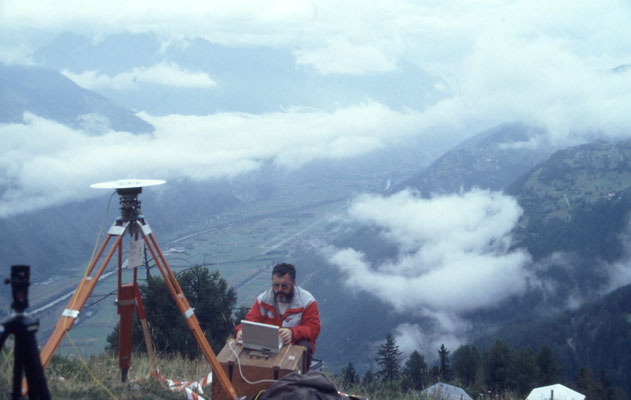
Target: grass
{"x":69,"y":378}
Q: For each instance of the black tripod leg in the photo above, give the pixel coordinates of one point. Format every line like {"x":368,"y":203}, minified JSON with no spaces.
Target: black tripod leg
{"x":3,"y":337}
{"x":26,"y":359}
{"x":18,"y":368}
{"x":35,"y":379}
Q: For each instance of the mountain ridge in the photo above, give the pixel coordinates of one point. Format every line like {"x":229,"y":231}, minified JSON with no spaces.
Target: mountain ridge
{"x":248,"y":79}
{"x":490,"y":159}
{"x":51,"y":95}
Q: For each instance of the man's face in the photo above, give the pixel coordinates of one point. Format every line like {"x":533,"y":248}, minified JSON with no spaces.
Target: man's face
{"x":283,"y":288}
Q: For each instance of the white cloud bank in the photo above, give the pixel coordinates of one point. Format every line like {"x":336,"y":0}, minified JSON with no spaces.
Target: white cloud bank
{"x":343,"y":57}
{"x":544,"y":63}
{"x":454,"y":251}
{"x":410,"y":337}
{"x":454,"y":256}
{"x":166,"y":74}
{"x":43,"y":163}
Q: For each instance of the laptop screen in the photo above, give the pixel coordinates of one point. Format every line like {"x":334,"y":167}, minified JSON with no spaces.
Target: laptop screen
{"x":260,"y":336}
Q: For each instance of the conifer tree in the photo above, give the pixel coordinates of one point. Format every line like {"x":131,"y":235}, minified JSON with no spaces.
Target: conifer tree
{"x":498,"y":364}
{"x":389,"y":359}
{"x":208,"y":294}
{"x":466,"y":363}
{"x":525,"y":371}
{"x":548,"y":370}
{"x":444,"y":372}
{"x":414,"y":374}
{"x":349,"y":376}
{"x":589,"y":386}
{"x":369,"y":377}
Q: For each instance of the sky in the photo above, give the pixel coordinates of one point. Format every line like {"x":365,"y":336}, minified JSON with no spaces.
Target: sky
{"x":547,"y":64}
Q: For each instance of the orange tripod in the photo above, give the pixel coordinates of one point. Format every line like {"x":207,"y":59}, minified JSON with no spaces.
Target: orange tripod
{"x":132,"y":222}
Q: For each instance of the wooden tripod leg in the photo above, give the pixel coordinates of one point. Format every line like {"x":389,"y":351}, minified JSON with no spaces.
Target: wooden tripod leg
{"x":186,"y":310}
{"x":77,"y":301}
{"x":145,"y":332}
{"x":126,"y":308}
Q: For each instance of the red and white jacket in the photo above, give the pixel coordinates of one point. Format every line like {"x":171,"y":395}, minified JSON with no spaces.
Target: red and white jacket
{"x":302,"y":315}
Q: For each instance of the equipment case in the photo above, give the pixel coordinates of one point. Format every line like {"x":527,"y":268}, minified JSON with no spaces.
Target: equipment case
{"x":256,"y":365}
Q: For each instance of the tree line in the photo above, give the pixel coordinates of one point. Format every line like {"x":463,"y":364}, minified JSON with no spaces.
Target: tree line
{"x":493,"y":371}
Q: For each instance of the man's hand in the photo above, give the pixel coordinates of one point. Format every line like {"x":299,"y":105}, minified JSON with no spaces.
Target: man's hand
{"x":239,"y":335}
{"x":286,"y":335}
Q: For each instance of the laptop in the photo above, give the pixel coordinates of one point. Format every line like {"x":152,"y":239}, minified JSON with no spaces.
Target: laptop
{"x":258,"y":336}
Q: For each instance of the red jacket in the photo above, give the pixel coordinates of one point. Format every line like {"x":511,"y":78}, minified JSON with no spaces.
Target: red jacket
{"x":302,"y":315}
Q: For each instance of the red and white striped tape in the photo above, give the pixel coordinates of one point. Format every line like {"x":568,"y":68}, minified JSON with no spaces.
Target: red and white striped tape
{"x":350,"y":396}
{"x":188,"y":386}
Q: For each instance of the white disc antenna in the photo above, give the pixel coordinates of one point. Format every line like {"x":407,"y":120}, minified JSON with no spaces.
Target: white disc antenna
{"x":128,"y":184}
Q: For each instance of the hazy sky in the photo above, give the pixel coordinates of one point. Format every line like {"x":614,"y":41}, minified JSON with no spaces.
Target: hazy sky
{"x":546,"y":63}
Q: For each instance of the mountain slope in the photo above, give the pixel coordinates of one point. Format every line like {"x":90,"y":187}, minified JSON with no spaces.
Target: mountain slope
{"x":577,"y":201}
{"x":575,"y":224}
{"x":51,"y":95}
{"x":581,"y":244}
{"x":357,"y":320}
{"x":595,"y":335}
{"x":491,"y":159}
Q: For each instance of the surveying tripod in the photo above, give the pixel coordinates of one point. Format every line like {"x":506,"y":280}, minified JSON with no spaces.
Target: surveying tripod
{"x":23,"y":328}
{"x":132,"y":222}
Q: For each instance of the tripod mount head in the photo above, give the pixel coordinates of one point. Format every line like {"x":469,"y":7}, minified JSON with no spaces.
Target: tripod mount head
{"x":20,"y":281}
{"x":128,"y":191}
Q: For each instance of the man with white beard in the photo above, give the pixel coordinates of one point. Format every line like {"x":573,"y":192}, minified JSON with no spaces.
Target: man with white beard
{"x":290,"y":307}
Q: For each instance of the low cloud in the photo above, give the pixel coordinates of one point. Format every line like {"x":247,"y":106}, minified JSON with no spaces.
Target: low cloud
{"x":411,"y":337}
{"x":343,"y":57}
{"x":545,"y":82}
{"x":44,"y":163}
{"x":619,"y":272}
{"x":165,"y":74}
{"x":453,"y":257}
{"x":15,"y":54}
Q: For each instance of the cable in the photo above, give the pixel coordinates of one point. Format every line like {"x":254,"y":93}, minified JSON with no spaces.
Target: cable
{"x":241,"y":372}
{"x":85,"y":365}
{"x":103,"y":297}
{"x":98,"y":236}
{"x":96,"y":244}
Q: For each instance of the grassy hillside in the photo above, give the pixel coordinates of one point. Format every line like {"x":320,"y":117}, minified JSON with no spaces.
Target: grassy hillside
{"x":574,"y":177}
{"x":98,"y":378}
{"x":577,"y":204}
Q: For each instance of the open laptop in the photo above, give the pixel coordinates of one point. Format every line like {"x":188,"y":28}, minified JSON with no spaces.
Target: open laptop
{"x":258,"y":336}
